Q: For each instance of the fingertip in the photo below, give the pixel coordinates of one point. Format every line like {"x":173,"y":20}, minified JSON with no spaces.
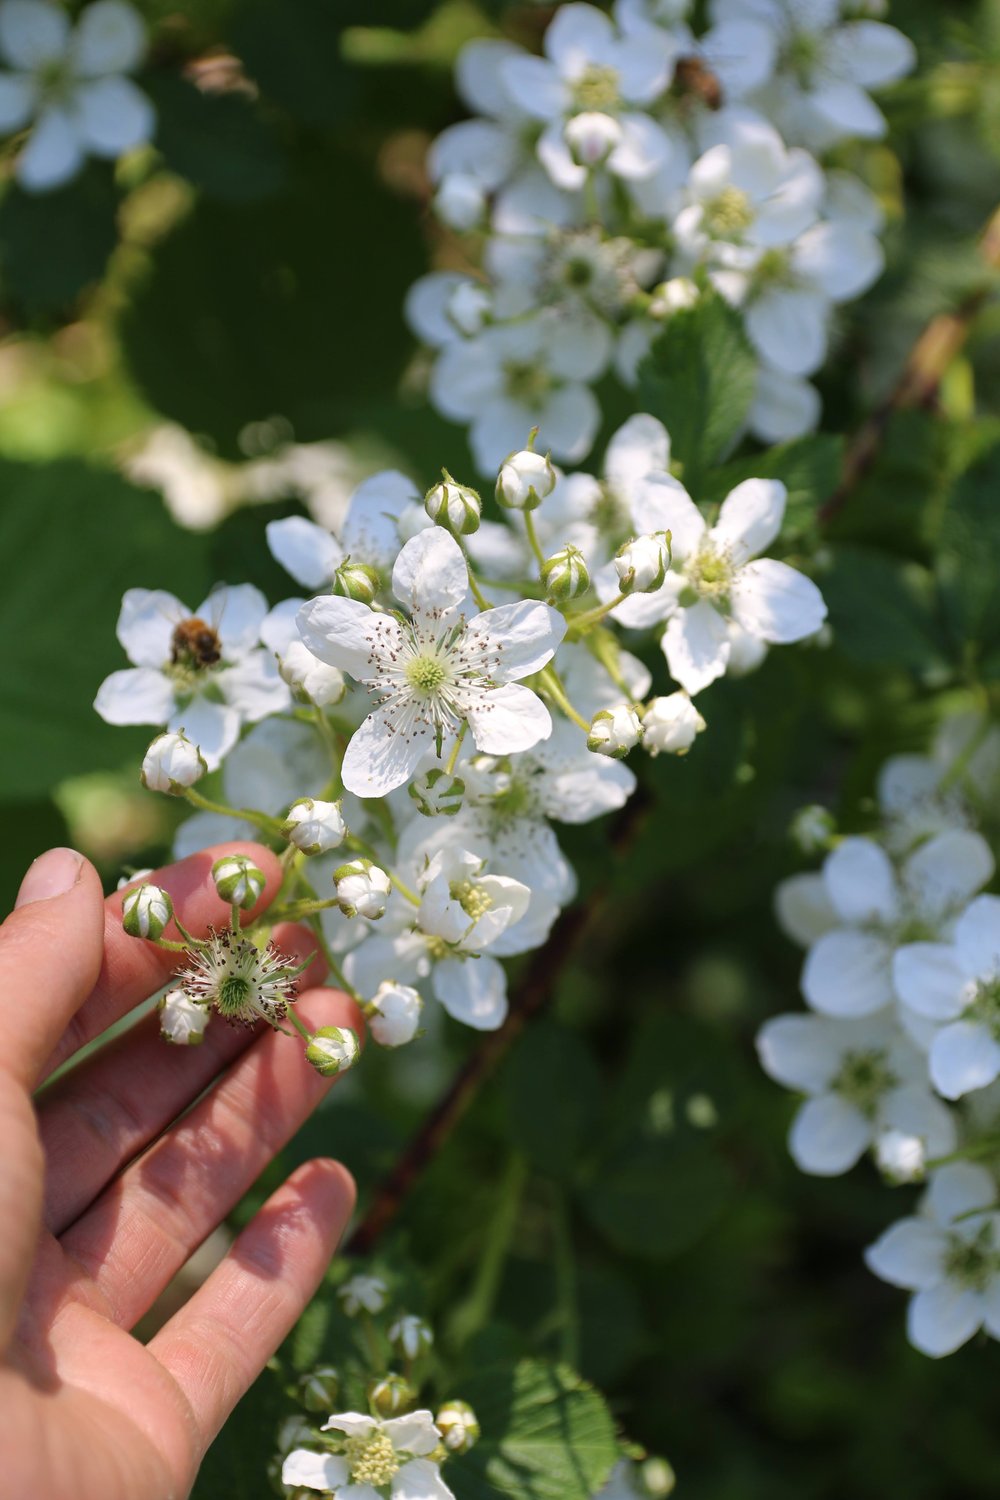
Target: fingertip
{"x":330,"y":1186}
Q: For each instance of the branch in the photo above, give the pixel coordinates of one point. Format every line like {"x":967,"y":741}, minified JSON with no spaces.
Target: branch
{"x":533,"y":994}
{"x":928,"y":362}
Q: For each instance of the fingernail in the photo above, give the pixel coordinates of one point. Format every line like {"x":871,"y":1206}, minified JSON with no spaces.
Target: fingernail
{"x":52,"y":874}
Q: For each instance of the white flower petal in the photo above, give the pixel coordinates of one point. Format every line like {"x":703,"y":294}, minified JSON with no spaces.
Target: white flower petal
{"x":828,"y":1136}
{"x":909,"y":1254}
{"x":53,"y":153}
{"x":928,"y":979}
{"x":841,"y":259}
{"x":958,"y":1189}
{"x":942,"y":1318}
{"x":255,"y":687}
{"x":847,"y":109}
{"x":237,"y":612}
{"x":578,"y":36}
{"x":370,"y":533}
{"x":18,"y":97}
{"x":645,"y":148}
{"x":799,"y":1051}
{"x":524,"y":636}
{"x":776,"y":603}
{"x":663,"y":504}
{"x":414,"y":1433}
{"x":314,"y":1471}
{"x":146,"y":625}
{"x":696,"y":645}
{"x":353,"y":1423}
{"x":861,"y":881}
{"x":279,"y":629}
{"x":509,"y":719}
{"x":420,"y":1480}
{"x":848,"y":973}
{"x":534,"y":85}
{"x":341,"y":632}
{"x":110,"y":37}
{"x":430,"y":574}
{"x":803,"y":908}
{"x":977,"y":938}
{"x":113,"y":115}
{"x":568,"y":423}
{"x":307,"y":551}
{"x":33,"y":33}
{"x":213,"y":727}
{"x":473,"y":990}
{"x":947,"y":871}
{"x":784,"y":406}
{"x":875,"y":54}
{"x":787,"y":326}
{"x":751,"y":516}
{"x":641,"y":446}
{"x":138,"y":695}
{"x":963,"y":1056}
{"x":380,"y":757}
{"x":479,"y":149}
{"x":477,"y":74}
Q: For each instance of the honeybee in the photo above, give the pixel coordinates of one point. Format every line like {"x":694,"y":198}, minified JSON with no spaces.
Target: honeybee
{"x":195,"y":643}
{"x":692,"y":77}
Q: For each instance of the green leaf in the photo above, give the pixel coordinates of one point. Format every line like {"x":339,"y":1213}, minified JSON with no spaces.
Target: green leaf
{"x":698,"y":378}
{"x":80,"y":537}
{"x":550,"y":1123}
{"x":809,"y":468}
{"x":217,"y":141}
{"x":968,"y":546}
{"x":54,"y":245}
{"x":546,"y":1435}
{"x":882,"y":611}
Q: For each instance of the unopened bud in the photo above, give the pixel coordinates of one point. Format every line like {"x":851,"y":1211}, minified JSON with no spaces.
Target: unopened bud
{"x":565,"y":575}
{"x":362,"y":889}
{"x":238,"y":880}
{"x":642,"y":563}
{"x":460,"y":201}
{"x":314,"y":826}
{"x":525,"y":479}
{"x":393,"y":1014}
{"x":332,"y":1050}
{"x":672,"y":296}
{"x":356,"y":581}
{"x":456,"y":507}
{"x":411,"y":1336}
{"x":183,"y":1020}
{"x":363,"y":1294}
{"x":458,"y":1426}
{"x":900,"y":1156}
{"x":812,"y":828}
{"x":436,"y":793}
{"x":171,"y":764}
{"x":656,"y":1478}
{"x":615,"y":731}
{"x":391,"y":1395}
{"x":670,"y":724}
{"x":318,"y":1389}
{"x":310,"y":677}
{"x":146,"y":911}
{"x":591,"y":137}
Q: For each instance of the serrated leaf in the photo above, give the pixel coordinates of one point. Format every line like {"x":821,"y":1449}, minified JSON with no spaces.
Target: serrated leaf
{"x":80,"y":536}
{"x":546,"y":1435}
{"x":809,"y":468}
{"x":698,"y":378}
{"x":968,"y":546}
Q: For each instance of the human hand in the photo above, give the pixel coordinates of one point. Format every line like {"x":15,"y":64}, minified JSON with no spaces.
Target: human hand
{"x":105,"y":1191}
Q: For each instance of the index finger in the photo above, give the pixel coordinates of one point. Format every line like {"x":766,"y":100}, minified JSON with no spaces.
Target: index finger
{"x":133,"y":969}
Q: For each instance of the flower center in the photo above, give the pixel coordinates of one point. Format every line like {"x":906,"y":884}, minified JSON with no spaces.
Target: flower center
{"x":54,"y":79}
{"x":597,"y":89}
{"x":803,"y":54}
{"x":771,"y":269}
{"x":727,"y":215}
{"x":862,"y":1080}
{"x":234,"y":992}
{"x":426,"y":674}
{"x":610,"y":515}
{"x":710,"y":573}
{"x":371,"y":1458}
{"x":985,"y":1006}
{"x":972,"y":1263}
{"x":473,"y":900}
{"x":527,"y":383}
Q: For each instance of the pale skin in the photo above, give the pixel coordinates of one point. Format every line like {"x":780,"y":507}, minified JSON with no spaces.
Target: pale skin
{"x":105,"y":1193}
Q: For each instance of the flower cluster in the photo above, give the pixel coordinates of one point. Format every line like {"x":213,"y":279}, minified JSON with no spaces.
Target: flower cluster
{"x":452,"y":687}
{"x":900,"y":1053}
{"x":608,"y":183}
{"x":395,"y":1449}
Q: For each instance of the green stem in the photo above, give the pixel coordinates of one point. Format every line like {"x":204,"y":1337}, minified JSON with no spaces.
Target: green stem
{"x":532,"y":535}
{"x":475,"y":1310}
{"x":477,"y":592}
{"x":329,"y":738}
{"x":268,"y":825}
{"x":578,"y":625}
{"x":359,"y":846}
{"x":372,"y":1344}
{"x":303,"y":1031}
{"x":449,"y":769}
{"x":316,"y":928}
{"x":549,"y":682}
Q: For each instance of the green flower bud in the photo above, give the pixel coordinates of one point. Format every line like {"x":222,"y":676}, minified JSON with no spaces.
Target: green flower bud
{"x":458,"y":1426}
{"x":642,"y":563}
{"x":565,"y":575}
{"x":456,"y":507}
{"x":411,"y":1336}
{"x":391,"y":1395}
{"x":146,"y":911}
{"x":356,"y":581}
{"x":332,"y":1050}
{"x":525,"y":479}
{"x":615,"y":731}
{"x":318,"y":1389}
{"x":238,"y":880}
{"x":362,"y":889}
{"x":436,"y":793}
{"x":812,"y":828}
